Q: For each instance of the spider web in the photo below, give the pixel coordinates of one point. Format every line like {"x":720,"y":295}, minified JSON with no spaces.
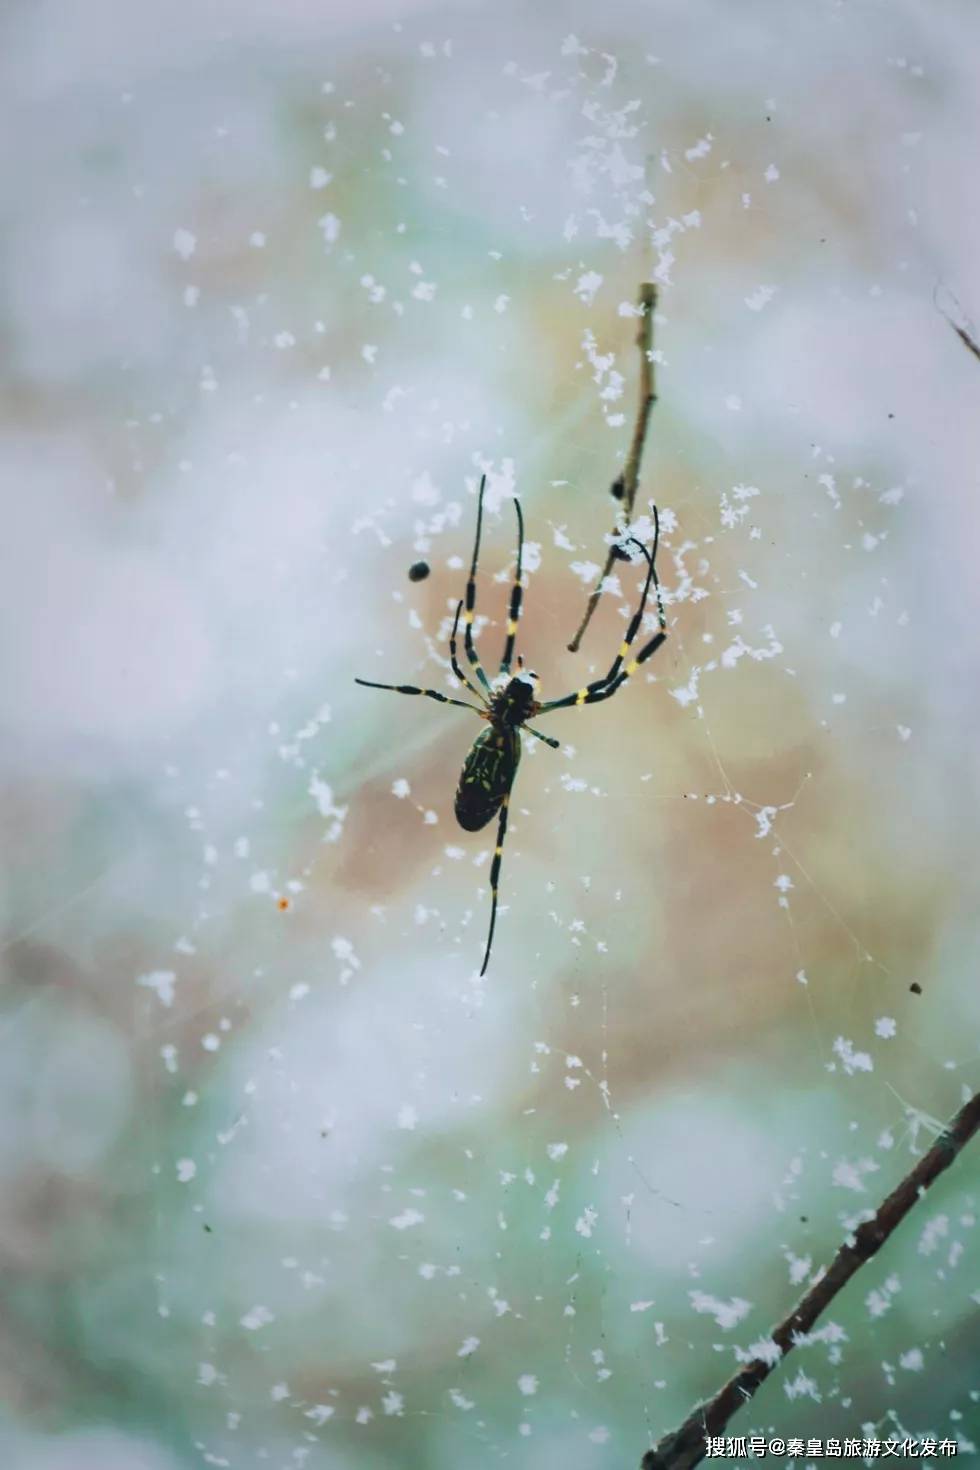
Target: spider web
{"x":349,"y":1204}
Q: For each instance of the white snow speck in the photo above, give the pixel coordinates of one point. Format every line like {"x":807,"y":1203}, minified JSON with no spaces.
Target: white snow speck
{"x":851,"y":1176}
{"x":760,"y":297}
{"x":186,"y":1169}
{"x":162,"y":981}
{"x":528,"y":1384}
{"x":406,"y":1219}
{"x":532,"y":556}
{"x":344,"y":951}
{"x":185,"y":243}
{"x":587,"y":285}
{"x":257,"y":1317}
{"x":320,"y":1413}
{"x":802,"y":1386}
{"x":330,"y":225}
{"x":322,"y":794}
{"x":726,"y":1314}
{"x":586,"y":1221}
{"x":935,"y":1231}
{"x":586,"y":571}
{"x":853,"y":1061}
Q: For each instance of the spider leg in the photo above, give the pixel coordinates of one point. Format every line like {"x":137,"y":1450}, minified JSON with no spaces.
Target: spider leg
{"x":453,"y":659}
{"x":555,"y":744}
{"x":494,"y":876}
{"x":637,"y":617}
{"x":429,"y":693}
{"x":605,"y":688}
{"x":516,"y":595}
{"x":468,"y":643}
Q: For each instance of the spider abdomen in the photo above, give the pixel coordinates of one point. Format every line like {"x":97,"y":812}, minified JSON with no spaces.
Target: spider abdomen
{"x":487,"y":776}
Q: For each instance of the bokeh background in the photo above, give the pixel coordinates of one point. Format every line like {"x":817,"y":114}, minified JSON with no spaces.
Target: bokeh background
{"x":283,"y":1182}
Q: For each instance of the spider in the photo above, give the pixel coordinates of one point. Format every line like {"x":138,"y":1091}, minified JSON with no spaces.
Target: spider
{"x":490,"y":767}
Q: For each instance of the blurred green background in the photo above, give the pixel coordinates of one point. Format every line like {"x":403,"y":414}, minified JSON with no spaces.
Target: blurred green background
{"x":291,"y":1187}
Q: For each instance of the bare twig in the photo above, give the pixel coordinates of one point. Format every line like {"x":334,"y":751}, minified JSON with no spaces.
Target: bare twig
{"x":965,"y":338}
{"x":686,"y":1446}
{"x":631,"y":471}
{"x":960,"y":323}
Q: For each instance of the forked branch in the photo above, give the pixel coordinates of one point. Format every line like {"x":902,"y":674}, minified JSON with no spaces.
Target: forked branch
{"x":686,"y":1446}
{"x":631,"y":471}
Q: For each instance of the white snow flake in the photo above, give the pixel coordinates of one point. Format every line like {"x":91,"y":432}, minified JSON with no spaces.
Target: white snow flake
{"x":726,"y":1314}
{"x":161,"y":981}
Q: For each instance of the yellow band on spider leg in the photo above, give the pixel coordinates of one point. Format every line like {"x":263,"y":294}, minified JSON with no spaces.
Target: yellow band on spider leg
{"x":511,"y":627}
{"x":581,"y":696}
{"x":624,"y":649}
{"x":631,"y":668}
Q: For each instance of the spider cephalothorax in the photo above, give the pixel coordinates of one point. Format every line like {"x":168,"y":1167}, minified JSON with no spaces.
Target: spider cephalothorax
{"x":491,"y":765}
{"x":515,"y":704}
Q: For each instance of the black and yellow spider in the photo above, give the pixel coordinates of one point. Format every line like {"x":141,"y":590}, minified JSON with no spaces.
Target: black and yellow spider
{"x":489,"y":769}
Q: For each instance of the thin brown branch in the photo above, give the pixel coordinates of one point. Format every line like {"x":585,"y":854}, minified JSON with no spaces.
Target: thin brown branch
{"x":631,"y":471}
{"x":686,"y":1446}
{"x":958,"y":320}
{"x":965,"y":338}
